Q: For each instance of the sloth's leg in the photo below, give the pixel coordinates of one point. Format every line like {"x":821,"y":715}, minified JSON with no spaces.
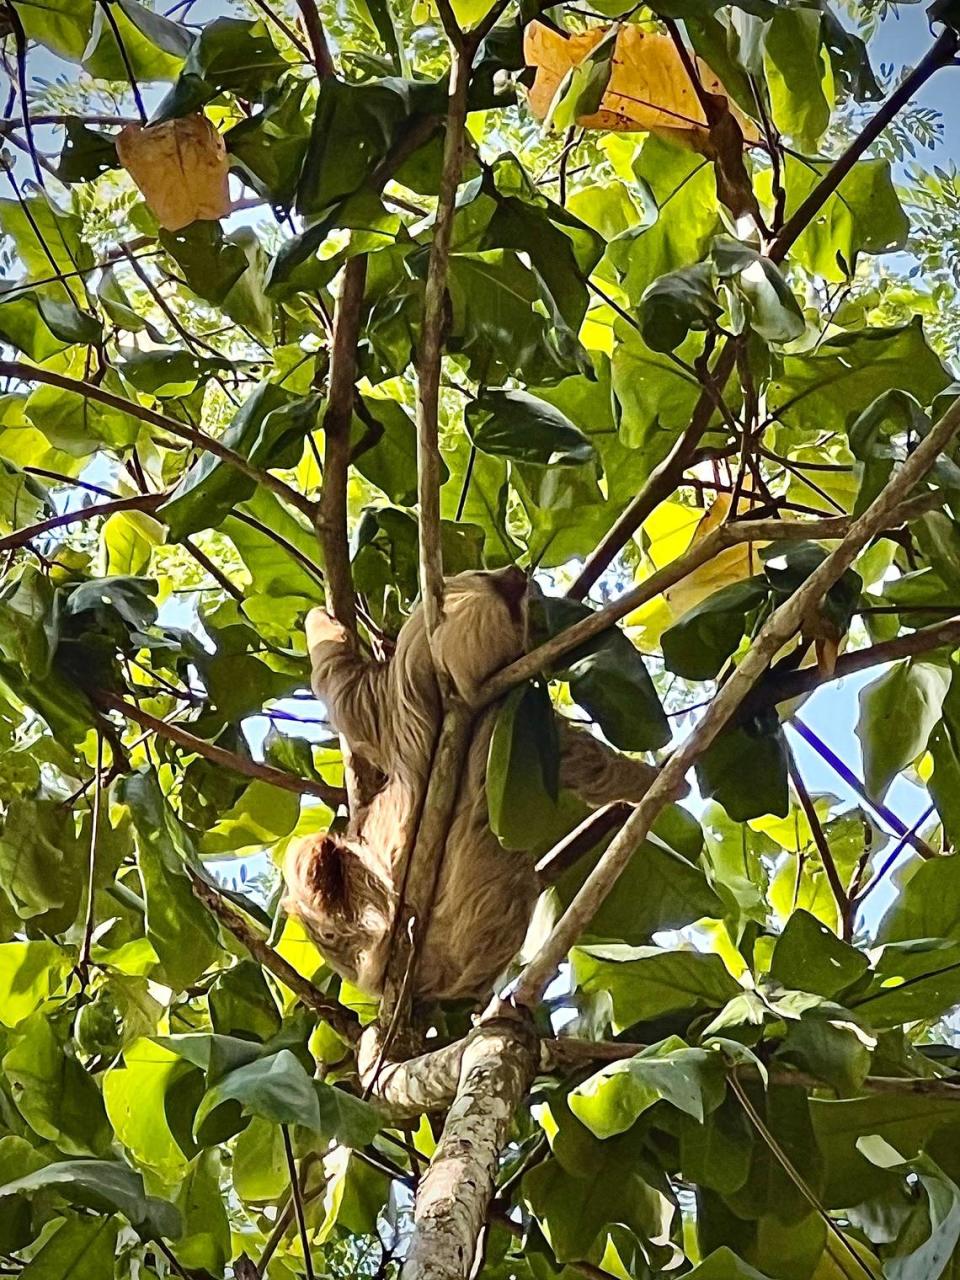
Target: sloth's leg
{"x":597,"y":773}
{"x":350,"y":687}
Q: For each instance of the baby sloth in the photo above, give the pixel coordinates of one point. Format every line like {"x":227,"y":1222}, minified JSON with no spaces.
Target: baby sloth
{"x":345,"y":889}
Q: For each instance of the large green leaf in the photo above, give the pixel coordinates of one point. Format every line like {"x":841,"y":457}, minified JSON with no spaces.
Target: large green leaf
{"x":79,"y":1247}
{"x":522,"y":767}
{"x":268,"y":431}
{"x":794,"y":71}
{"x":863,"y":215}
{"x":108,"y":1187}
{"x":692,"y":1080}
{"x":649,"y":982}
{"x":898,"y":711}
{"x":829,"y":388}
{"x":513,"y":424}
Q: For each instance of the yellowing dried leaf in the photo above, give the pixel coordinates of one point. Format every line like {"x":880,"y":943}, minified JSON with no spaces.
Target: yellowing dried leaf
{"x":732,"y":565}
{"x":180,"y":169}
{"x":648,"y":87}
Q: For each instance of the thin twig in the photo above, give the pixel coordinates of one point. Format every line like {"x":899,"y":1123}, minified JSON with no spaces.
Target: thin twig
{"x":139,"y":502}
{"x":249,"y":768}
{"x":125,"y":58}
{"x":20,"y":41}
{"x":200,"y":439}
{"x":297,"y":1196}
{"x":83,"y":965}
{"x":820,"y":840}
{"x":843,"y":770}
{"x":430,"y":354}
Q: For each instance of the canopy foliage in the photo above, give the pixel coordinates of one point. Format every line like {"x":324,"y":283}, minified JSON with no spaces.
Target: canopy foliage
{"x":677,"y":294}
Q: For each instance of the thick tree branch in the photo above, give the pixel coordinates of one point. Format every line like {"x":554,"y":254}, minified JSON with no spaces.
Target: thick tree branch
{"x":665,"y":477}
{"x":782,"y":624}
{"x":453,"y":1198}
{"x":333,"y":796}
{"x":199,"y":439}
{"x":342,"y":1020}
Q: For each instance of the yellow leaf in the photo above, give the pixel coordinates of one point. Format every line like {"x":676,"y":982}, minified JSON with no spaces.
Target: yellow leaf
{"x":732,"y":565}
{"x":648,"y":88}
{"x":180,"y":169}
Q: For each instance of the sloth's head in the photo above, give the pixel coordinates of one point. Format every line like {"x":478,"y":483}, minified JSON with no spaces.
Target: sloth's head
{"x":342,"y":904}
{"x":484,"y":625}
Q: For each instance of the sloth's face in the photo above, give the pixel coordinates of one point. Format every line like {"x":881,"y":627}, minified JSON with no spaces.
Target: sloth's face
{"x":343,"y":906}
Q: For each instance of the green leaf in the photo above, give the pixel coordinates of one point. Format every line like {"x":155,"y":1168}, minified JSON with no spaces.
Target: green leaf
{"x":268,"y":148}
{"x":648,"y":982}
{"x":230,"y":55}
{"x":827,"y":389}
{"x":662,"y":886}
{"x":85,"y":155}
{"x":723,"y":1264}
{"x":701,"y":641}
{"x":864,"y":215}
{"x":677,"y":304}
{"x":911,"y":982}
{"x":523,"y":767}
{"x":80,"y":1247}
{"x":772,"y":308}
{"x":384,"y":449}
{"x":204,"y":1242}
{"x":898,"y":711}
{"x":505,"y":320}
{"x":61,"y":26}
{"x":182,"y":932}
{"x":268,"y":431}
{"x":274,"y":1088}
{"x":242,"y":1004}
{"x":573,"y":1210}
{"x":810,"y":957}
{"x":153,"y":46}
{"x":53,"y":1093}
{"x":108,"y":1187}
{"x":745,"y":769}
{"x":30,"y":972}
{"x":794,"y":71}
{"x":611,"y":1101}
{"x":513,"y":424}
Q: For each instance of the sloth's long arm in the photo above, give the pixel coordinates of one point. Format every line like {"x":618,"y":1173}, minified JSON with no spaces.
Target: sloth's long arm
{"x":349,"y":686}
{"x":597,"y":773}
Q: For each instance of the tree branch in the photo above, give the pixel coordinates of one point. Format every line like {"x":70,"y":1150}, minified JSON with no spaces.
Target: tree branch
{"x":698,"y":553}
{"x":452,"y":1201}
{"x":342,"y":1020}
{"x":199,"y":439}
{"x":782,"y":624}
{"x":332,"y":796}
{"x":843,"y":770}
{"x":332,"y":509}
{"x":139,"y":502}
{"x":322,"y":59}
{"x":430,"y":354}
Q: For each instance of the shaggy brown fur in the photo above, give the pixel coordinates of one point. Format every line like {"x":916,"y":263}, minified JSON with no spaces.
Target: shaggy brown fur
{"x":345,"y":888}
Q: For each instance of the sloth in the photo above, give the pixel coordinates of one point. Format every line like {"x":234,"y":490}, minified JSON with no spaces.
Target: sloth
{"x":345,"y":889}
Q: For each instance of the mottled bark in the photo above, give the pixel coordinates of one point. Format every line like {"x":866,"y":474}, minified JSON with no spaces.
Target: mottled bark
{"x":453,"y":1199}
